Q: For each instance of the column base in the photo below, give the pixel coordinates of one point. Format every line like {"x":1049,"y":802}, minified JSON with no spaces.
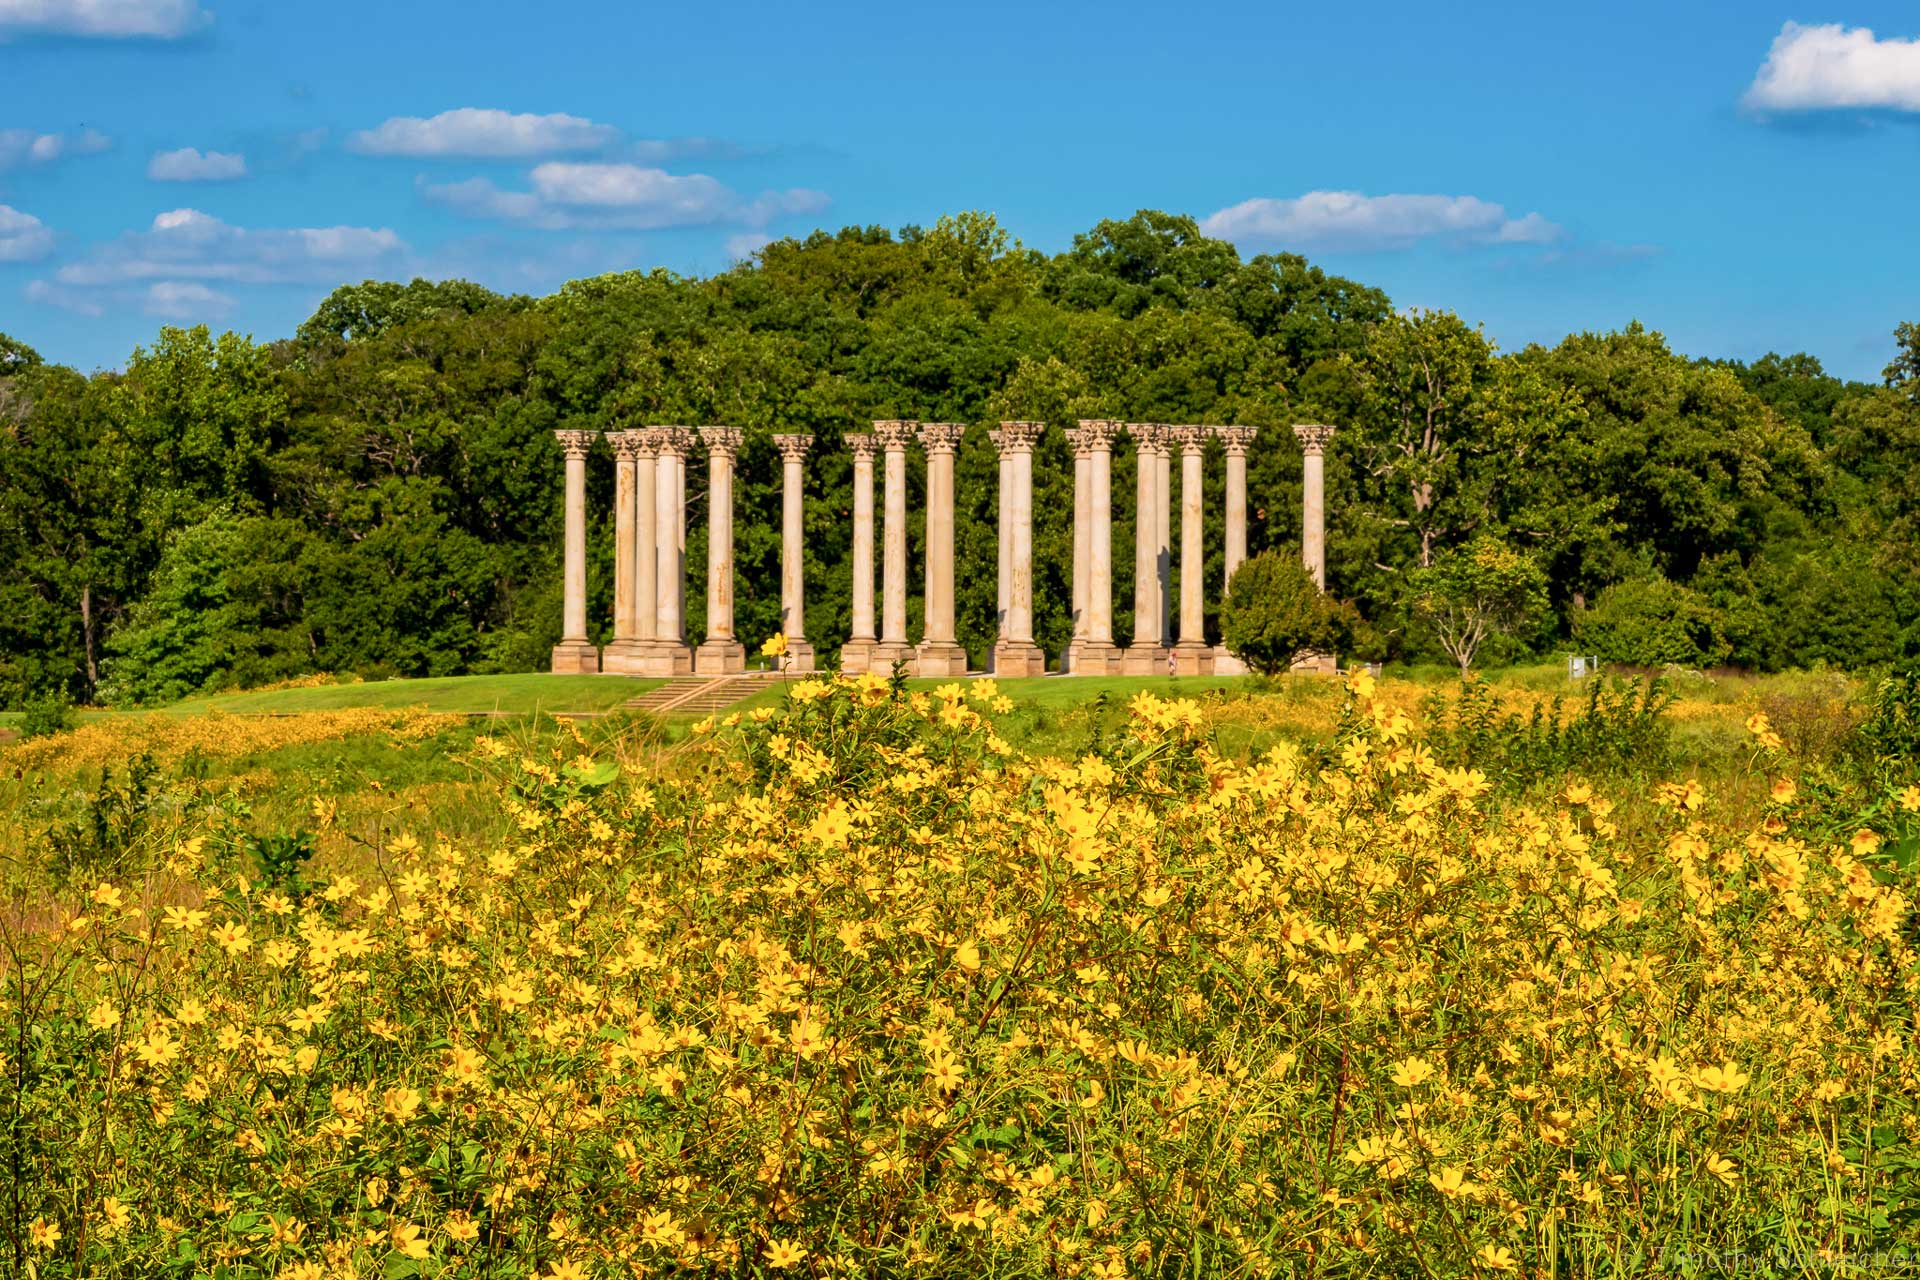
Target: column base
{"x":1091,"y":658}
{"x":799,"y":655}
{"x":1319,"y":664}
{"x":1014,"y":658}
{"x":626,"y":657}
{"x":1139,"y":659}
{"x":1193,"y":659}
{"x":886,"y":654}
{"x":855,"y":654}
{"x":575,"y":658}
{"x":664,"y":658}
{"x":935,"y":658}
{"x":1225,"y":664}
{"x":720,"y":658}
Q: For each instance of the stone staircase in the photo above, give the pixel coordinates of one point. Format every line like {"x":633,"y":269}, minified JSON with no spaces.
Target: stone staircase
{"x":701,"y":695}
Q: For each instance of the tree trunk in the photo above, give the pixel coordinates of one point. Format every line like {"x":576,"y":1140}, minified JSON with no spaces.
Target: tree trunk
{"x":86,"y":635}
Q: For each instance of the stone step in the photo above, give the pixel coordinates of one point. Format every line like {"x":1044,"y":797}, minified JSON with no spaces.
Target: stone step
{"x":698,"y":695}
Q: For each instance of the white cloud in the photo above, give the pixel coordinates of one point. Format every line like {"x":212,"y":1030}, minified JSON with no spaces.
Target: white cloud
{"x":743,"y":246}
{"x":158,"y":19}
{"x":185,"y":300}
{"x":569,"y":195}
{"x":24,"y":146}
{"x":186,"y":244}
{"x":1824,"y":67}
{"x":23,"y":237}
{"x":190,"y":165}
{"x":1353,"y":221}
{"x":49,"y":294}
{"x":482,"y":132}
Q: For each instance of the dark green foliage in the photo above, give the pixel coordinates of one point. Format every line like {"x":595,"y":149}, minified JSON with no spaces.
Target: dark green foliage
{"x":277,"y":858}
{"x":1651,"y":622}
{"x":103,"y":839}
{"x":48,"y":714}
{"x":1275,"y":612}
{"x":1618,"y":729}
{"x":381,"y":493}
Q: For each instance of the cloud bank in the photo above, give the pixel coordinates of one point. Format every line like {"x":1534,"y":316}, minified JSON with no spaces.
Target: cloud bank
{"x":1830,"y":67}
{"x":23,"y":237}
{"x":1350,"y":220}
{"x":570,"y":196}
{"x":482,"y":133}
{"x":189,"y":165}
{"x":103,"y":19}
{"x":24,"y":146}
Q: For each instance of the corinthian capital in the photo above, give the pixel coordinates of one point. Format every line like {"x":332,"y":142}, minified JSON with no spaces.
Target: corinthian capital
{"x":1019,"y":437}
{"x":793,"y":448}
{"x":1191,"y":439}
{"x":1314,"y":438}
{"x":861,"y":445}
{"x":626,"y":444}
{"x":1236,"y":439}
{"x":1148,"y":437}
{"x":894,"y":434}
{"x":941,"y":437}
{"x":722,"y":441}
{"x":576,"y":443}
{"x":1096,"y":434}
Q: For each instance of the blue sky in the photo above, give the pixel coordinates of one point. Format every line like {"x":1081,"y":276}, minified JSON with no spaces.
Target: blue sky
{"x":1743,"y":178}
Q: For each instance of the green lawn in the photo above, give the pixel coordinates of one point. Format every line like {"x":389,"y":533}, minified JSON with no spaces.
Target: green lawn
{"x":521,"y":693}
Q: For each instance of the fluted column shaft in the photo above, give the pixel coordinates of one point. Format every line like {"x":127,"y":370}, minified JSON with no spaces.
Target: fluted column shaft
{"x":1100,"y":536}
{"x":1313,"y":499}
{"x":1192,"y":657}
{"x":1016,"y":654}
{"x":1003,"y":541}
{"x":646,"y":506}
{"x":721,"y":653}
{"x":669,"y":556}
{"x":575,"y":653}
{"x":1146,"y":537}
{"x":939,"y":654}
{"x":1082,"y":527}
{"x":893,"y":436}
{"x":1163,"y":534}
{"x":793,"y":549}
{"x":624,"y":454}
{"x":854,"y":655}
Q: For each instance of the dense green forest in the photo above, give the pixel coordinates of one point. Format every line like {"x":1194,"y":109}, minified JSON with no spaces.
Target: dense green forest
{"x":380,"y":493}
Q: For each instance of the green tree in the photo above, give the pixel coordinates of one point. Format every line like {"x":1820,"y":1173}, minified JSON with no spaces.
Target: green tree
{"x":1275,"y":613}
{"x":1469,"y":594}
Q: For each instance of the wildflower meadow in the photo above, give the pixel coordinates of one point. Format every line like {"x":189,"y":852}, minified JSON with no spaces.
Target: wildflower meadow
{"x":855,"y":986}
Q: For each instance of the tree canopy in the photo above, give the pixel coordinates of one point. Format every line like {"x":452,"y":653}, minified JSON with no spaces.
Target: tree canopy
{"x":379,"y":492}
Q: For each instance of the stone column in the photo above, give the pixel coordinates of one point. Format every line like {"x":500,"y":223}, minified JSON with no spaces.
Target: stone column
{"x":1235,"y":440}
{"x":1016,"y":654}
{"x":793,"y":550}
{"x":892,"y":437}
{"x":575,"y":653}
{"x":646,"y":532}
{"x":858,"y":649}
{"x":1002,"y":545}
{"x":1313,"y":521}
{"x":1163,"y":532}
{"x":669,"y":654}
{"x":721,"y":654}
{"x":939,"y":654}
{"x":624,"y":652}
{"x":1095,"y":654}
{"x":1082,"y":528}
{"x":1313,"y":499}
{"x":1192,"y":656}
{"x":1146,"y":656}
